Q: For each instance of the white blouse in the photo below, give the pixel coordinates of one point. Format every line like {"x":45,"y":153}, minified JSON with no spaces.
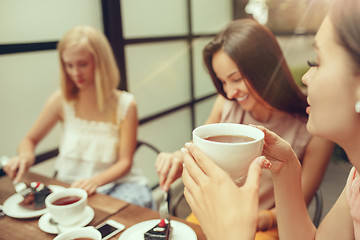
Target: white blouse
{"x":88,"y":148}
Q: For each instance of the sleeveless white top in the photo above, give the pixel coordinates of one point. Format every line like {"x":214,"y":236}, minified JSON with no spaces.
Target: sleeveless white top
{"x":88,"y":148}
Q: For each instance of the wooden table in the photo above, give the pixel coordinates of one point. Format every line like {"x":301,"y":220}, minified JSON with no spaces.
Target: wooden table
{"x":105,"y":207}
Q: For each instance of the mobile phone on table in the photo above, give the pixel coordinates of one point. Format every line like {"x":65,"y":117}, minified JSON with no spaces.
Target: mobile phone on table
{"x":109,"y":228}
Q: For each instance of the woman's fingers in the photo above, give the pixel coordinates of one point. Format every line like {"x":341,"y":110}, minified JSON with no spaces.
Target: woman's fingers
{"x":207,"y":165}
{"x":16,"y":168}
{"x":22,"y":169}
{"x":191,"y":189}
{"x":162,"y":166}
{"x":192,"y":167}
{"x":269,"y":135}
{"x":168,"y":167}
{"x":174,"y":173}
{"x":254,"y":172}
{"x":188,"y":181}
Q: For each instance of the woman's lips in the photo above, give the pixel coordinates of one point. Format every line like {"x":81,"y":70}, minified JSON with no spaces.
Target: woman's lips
{"x":308,"y":108}
{"x":80,"y":81}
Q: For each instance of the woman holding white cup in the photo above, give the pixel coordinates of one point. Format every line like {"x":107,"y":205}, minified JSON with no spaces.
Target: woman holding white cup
{"x":255,"y":86}
{"x":334,"y":98}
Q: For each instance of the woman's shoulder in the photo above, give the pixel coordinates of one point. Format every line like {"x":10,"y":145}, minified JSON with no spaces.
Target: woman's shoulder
{"x":124,"y":96}
{"x":56,"y":98}
{"x":126,"y":101}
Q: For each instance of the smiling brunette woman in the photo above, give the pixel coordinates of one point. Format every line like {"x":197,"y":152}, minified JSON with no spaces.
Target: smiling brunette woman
{"x":255,"y":86}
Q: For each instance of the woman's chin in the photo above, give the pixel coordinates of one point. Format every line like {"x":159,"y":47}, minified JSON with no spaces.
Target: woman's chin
{"x":310,"y":127}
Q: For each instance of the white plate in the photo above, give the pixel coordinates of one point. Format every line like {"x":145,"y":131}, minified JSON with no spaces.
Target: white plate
{"x":180,"y":231}
{"x":46,"y":226}
{"x":13,"y":209}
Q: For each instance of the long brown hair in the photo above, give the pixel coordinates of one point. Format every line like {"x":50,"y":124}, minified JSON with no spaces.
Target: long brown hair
{"x":259,"y":58}
{"x":345,"y":17}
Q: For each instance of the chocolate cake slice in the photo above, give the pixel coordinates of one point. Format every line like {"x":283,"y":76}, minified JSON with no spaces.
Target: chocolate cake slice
{"x":161,"y":231}
{"x":35,"y":198}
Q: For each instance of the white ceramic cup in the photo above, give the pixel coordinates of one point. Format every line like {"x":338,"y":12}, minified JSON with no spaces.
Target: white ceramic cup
{"x":69,"y":214}
{"x":234,"y":158}
{"x":84,"y":232}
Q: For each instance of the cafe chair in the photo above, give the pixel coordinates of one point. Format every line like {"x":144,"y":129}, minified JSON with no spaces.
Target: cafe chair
{"x":149,"y":152}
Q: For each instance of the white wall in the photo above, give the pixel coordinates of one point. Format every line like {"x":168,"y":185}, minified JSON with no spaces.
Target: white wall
{"x":27,"y":79}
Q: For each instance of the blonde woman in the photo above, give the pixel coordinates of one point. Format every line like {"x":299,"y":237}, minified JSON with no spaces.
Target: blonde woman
{"x":99,"y":123}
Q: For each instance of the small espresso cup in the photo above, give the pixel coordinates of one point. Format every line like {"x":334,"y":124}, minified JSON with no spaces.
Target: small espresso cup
{"x":88,"y":233}
{"x":231,"y":146}
{"x":67,"y":207}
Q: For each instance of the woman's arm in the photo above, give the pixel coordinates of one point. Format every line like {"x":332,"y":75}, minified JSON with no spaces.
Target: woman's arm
{"x":127,"y":146}
{"x":216,"y":111}
{"x":317,"y":156}
{"x":337,"y":224}
{"x":49,"y":116}
{"x":293,"y":219}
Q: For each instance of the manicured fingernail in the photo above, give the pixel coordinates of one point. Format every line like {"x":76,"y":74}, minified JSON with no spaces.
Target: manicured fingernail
{"x":264,"y":162}
{"x":184,"y":150}
{"x":267,"y":164}
{"x":188,"y":144}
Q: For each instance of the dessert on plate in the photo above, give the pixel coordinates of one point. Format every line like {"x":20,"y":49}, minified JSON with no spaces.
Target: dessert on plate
{"x":34,"y":198}
{"x":162,"y":230}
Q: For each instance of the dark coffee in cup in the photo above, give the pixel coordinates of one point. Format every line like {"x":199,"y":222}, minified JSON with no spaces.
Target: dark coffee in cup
{"x":230,"y":138}
{"x":66,"y":200}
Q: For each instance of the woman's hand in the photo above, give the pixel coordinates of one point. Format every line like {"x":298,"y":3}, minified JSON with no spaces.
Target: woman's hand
{"x":223,"y":210}
{"x":89,"y":185}
{"x":169,"y":167}
{"x":276,"y":150}
{"x":17,"y":166}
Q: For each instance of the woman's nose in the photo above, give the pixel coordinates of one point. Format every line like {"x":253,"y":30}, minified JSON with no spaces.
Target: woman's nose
{"x":75,"y":71}
{"x":307,"y":76}
{"x":231,"y":93}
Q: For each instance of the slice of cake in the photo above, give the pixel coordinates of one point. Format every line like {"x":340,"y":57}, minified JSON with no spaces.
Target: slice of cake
{"x":35,"y":196}
{"x":162,"y":230}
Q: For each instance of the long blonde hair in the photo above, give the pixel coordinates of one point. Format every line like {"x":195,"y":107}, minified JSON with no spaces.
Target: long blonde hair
{"x":107,"y":76}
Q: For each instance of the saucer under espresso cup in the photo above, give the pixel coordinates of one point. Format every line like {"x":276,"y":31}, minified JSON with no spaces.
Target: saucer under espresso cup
{"x":67,"y":206}
{"x":231,"y":146}
{"x":89,"y":233}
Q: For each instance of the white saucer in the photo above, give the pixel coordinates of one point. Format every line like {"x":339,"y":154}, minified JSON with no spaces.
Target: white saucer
{"x":180,"y":231}
{"x":13,"y":209}
{"x":46,"y":226}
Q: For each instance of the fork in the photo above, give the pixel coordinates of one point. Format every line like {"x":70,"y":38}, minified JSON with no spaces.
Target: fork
{"x":164,"y":207}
